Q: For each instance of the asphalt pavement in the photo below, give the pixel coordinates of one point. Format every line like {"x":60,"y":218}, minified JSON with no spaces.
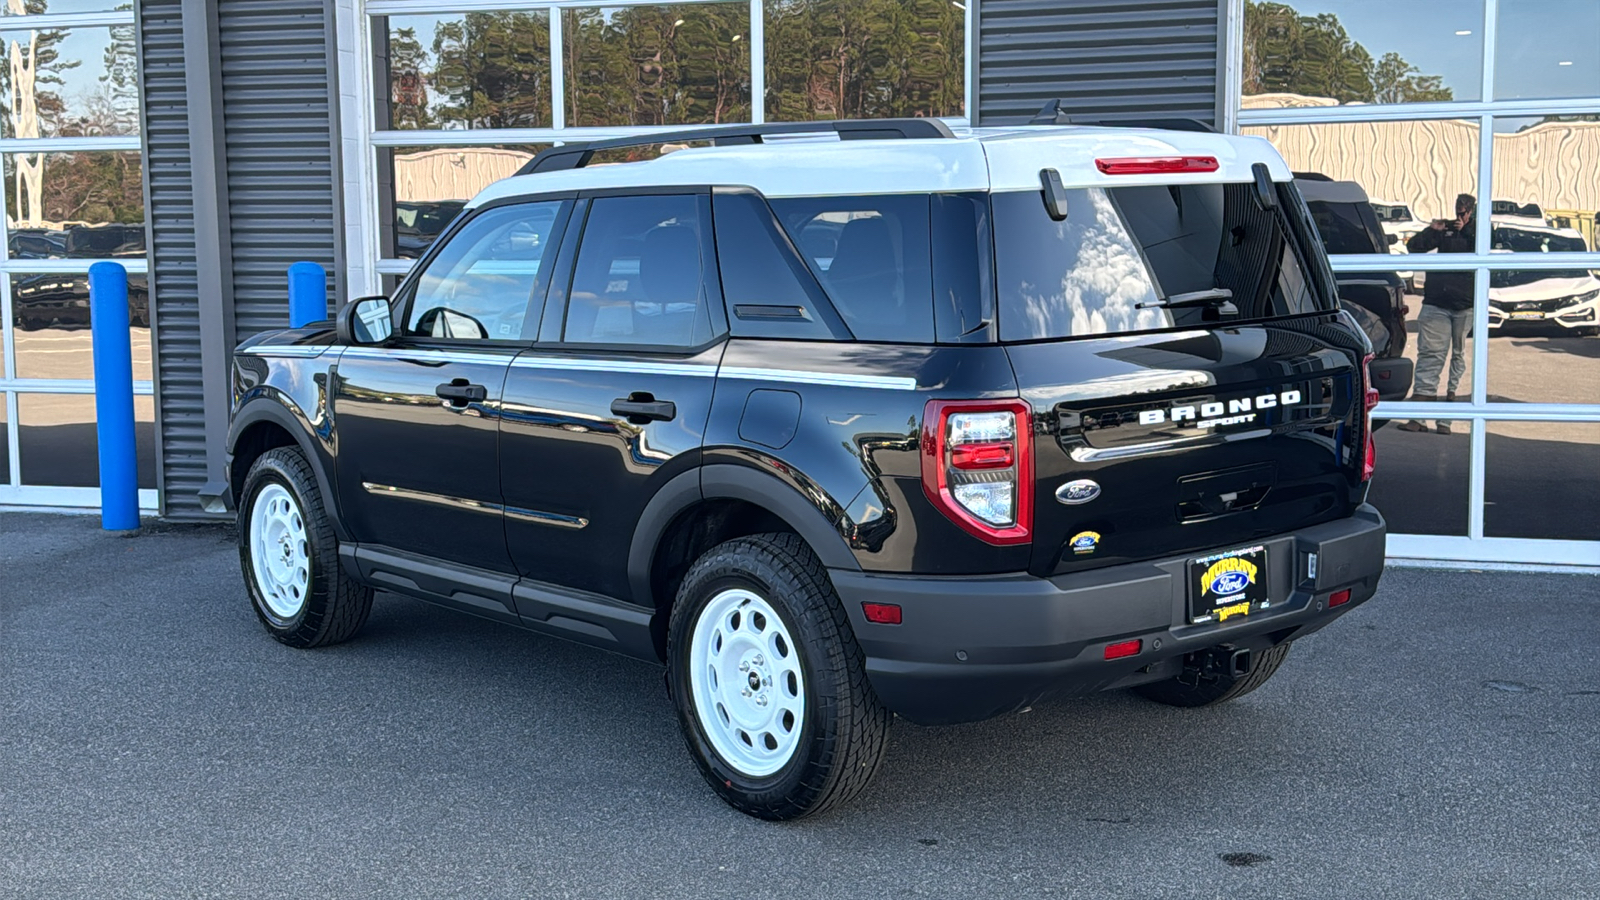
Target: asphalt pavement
{"x":1442,"y":741}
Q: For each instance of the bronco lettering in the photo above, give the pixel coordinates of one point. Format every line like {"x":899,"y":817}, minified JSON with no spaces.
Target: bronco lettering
{"x":1239,"y":411}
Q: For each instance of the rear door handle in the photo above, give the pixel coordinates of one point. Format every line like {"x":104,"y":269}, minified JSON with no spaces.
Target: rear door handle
{"x":640,"y":408}
{"x":459,"y":392}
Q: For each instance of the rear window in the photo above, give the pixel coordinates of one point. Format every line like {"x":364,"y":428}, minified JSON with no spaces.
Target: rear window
{"x":1121,"y":253}
{"x":872,"y":257}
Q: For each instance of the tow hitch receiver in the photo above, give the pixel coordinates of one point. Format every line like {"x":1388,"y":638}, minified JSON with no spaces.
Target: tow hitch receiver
{"x":1222,"y":661}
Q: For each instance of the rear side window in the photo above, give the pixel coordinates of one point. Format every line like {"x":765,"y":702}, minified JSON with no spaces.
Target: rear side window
{"x":640,"y":276}
{"x":1121,"y":253}
{"x":764,"y":284}
{"x":871,"y":254}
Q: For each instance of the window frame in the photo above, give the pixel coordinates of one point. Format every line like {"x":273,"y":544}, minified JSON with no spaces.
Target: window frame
{"x":553,"y":321}
{"x":405,"y":293}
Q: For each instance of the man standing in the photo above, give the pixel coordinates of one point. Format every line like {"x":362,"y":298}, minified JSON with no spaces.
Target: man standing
{"x":1445,"y":319}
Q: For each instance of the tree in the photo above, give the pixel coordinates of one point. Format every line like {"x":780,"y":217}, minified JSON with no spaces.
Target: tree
{"x":492,"y":71}
{"x":1313,"y":56}
{"x":669,"y":65}
{"x":408,"y":81}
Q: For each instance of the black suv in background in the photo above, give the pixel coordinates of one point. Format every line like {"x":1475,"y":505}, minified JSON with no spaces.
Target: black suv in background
{"x":899,"y":423}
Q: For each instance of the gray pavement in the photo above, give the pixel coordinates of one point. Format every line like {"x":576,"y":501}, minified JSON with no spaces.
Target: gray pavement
{"x":1442,"y":741}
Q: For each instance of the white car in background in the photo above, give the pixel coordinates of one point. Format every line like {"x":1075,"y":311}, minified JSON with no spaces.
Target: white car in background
{"x":1399,"y":224}
{"x":1566,"y":297}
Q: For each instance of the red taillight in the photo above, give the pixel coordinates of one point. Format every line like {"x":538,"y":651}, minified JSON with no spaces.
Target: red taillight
{"x":882,"y":613}
{"x":1369,"y":460}
{"x":977,"y":466}
{"x":1339,"y":598}
{"x":1156,"y":165}
{"x":1124,"y":648}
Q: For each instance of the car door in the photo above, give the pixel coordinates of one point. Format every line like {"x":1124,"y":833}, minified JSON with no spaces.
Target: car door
{"x":417,"y":419}
{"x":613,"y":402}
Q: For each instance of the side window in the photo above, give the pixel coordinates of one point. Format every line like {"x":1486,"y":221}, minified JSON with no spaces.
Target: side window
{"x":764,"y":284}
{"x":639,"y":277}
{"x":871,"y":254}
{"x":480,"y":284}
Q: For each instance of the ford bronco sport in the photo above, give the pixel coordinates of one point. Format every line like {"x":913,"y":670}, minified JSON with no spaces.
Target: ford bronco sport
{"x":898,"y":423}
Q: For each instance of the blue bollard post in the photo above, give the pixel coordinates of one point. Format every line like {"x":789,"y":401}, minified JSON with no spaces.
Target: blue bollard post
{"x":113,"y":396}
{"x":308,"y":294}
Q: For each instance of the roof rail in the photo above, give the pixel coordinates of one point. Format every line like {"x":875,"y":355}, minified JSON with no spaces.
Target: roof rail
{"x":577,"y":155}
{"x":1053,"y":114}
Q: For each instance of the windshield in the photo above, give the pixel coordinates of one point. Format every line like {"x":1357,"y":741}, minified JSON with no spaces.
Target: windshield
{"x":1107,"y":268}
{"x":1513,"y":278}
{"x":1526,"y":240}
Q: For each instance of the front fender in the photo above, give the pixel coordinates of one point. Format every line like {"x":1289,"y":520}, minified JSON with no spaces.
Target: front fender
{"x":271,"y":407}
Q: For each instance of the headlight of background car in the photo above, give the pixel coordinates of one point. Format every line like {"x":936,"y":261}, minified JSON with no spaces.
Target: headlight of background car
{"x":1585,"y":298}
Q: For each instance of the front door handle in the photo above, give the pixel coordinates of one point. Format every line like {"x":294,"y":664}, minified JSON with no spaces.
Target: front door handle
{"x":641,"y":408}
{"x":459,"y":392}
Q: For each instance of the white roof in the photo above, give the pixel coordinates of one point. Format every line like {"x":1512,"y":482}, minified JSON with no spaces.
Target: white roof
{"x":984,"y":160}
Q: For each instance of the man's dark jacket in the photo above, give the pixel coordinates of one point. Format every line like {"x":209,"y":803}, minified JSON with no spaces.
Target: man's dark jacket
{"x":1447,"y":290}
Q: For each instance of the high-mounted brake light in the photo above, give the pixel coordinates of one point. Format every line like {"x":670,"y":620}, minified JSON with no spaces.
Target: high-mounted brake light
{"x":1369,"y":461}
{"x":1156,"y":165}
{"x":977,"y":466}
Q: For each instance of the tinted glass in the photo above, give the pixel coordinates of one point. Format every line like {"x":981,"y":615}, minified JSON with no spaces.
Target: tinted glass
{"x":1421,"y":481}
{"x":50,"y":317}
{"x":1540,"y":481}
{"x":639,"y":277}
{"x":1107,"y":267}
{"x":41,"y":7}
{"x":468,"y":70}
{"x":1547,"y":48}
{"x":657,"y":65}
{"x":864,"y":59}
{"x":480,"y":284}
{"x":871,"y":255}
{"x":84,"y":82}
{"x":963,"y":268}
{"x":1320,"y":52}
{"x":763,"y":281}
{"x":5,"y":441}
{"x":1545,"y":188}
{"x":78,"y":205}
{"x":430,"y":186}
{"x":1413,"y":170}
{"x":57,"y":444}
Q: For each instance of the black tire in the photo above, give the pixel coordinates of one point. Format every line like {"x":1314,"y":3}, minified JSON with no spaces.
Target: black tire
{"x":334,"y":606}
{"x":1219,"y":689}
{"x":843,"y":728}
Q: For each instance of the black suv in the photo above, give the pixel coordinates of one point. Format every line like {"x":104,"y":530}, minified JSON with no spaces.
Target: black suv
{"x":901,"y":423}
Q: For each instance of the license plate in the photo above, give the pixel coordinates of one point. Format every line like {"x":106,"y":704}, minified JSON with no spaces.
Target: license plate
{"x":1227,"y":585}
{"x":1527,"y":315}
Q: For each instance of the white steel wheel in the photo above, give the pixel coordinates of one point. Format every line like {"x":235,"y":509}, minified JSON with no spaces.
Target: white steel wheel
{"x":280,"y":558}
{"x":746,"y":681}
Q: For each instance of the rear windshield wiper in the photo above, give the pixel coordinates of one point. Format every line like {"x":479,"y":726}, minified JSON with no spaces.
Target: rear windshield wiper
{"x":1221,"y":298}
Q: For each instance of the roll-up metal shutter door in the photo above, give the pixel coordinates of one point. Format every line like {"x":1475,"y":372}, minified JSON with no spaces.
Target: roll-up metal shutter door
{"x":1110,"y":58}
{"x":169,"y":209}
{"x":277,"y":100}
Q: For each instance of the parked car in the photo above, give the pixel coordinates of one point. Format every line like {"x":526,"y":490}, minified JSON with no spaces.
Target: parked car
{"x":1569,"y":298}
{"x":903,"y":423}
{"x":1347,"y":222}
{"x":416,"y":225}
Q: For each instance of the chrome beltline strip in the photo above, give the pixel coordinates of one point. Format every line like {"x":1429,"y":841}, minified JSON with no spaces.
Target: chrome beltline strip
{"x":834,"y":379}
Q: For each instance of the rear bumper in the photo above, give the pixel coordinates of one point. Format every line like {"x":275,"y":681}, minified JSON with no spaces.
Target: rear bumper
{"x":970,"y":648}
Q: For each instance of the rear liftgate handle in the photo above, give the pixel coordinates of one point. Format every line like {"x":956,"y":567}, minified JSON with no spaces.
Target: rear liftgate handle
{"x":641,"y":407}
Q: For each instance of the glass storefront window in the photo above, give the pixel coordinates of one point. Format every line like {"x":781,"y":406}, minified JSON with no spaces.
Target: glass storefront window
{"x":1546,"y":191}
{"x":1337,"y":52}
{"x":84,"y":82}
{"x":1421,"y":482}
{"x":5,"y":443}
{"x":1411,"y":172}
{"x":1547,"y":49}
{"x":864,"y":59}
{"x":685,"y":64}
{"x":57,"y":7}
{"x":81,"y":205}
{"x":50,"y":318}
{"x":467,"y":70}
{"x":429,"y":186}
{"x":1540,"y":481}
{"x":57,"y":443}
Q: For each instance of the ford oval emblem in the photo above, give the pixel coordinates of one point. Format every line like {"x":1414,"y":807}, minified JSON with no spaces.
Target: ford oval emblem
{"x":1229,"y":583}
{"x":1075,"y":492}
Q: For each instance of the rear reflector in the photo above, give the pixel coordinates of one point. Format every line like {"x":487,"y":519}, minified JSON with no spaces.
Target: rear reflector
{"x":1156,"y":165}
{"x":1339,"y":598}
{"x":1124,"y":648}
{"x":886,"y":613}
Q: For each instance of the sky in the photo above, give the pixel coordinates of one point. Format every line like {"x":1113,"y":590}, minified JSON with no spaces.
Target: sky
{"x":1535,"y":36}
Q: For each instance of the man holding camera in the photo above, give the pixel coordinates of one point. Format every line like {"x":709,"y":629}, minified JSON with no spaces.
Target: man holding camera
{"x":1445,"y":319}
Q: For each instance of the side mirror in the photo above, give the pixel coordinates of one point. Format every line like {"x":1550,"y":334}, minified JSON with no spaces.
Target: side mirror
{"x":364,"y":321}
{"x":1394,"y":239}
